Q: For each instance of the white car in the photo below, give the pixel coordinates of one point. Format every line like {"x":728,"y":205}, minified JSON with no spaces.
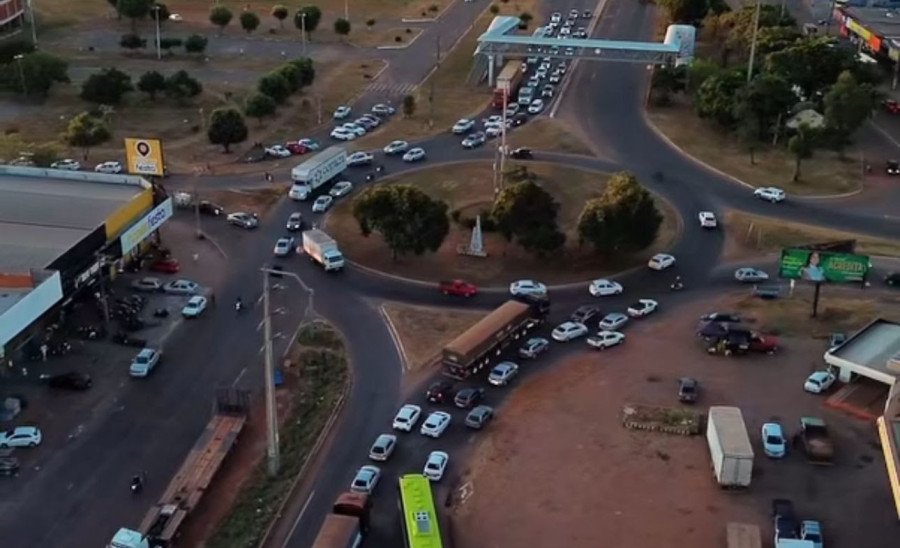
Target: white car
{"x":243,"y":220}
{"x":342,"y":134}
{"x":435,"y":465}
{"x":770,"y":194}
{"x":147,"y":284}
{"x":341,"y":112}
{"x":502,"y":373}
{"x":278,"y":151}
{"x":382,"y":109}
{"x":536,"y":106}
{"x":407,"y":417}
{"x":366,"y":479}
{"x":492,"y":120}
{"x":568,"y":331}
{"x":774,"y":444}
{"x":360,"y":158}
{"x":68,"y":164}
{"x":310,"y":144}
{"x":556,"y":17}
{"x":603,"y":288}
{"x":194,"y":307}
{"x":512,"y":109}
{"x":435,"y":425}
{"x":747,"y":274}
{"x":181,"y":287}
{"x":355,"y":128}
{"x":176,"y":18}
{"x":396,"y":147}
{"x":643,"y":307}
{"x":493,"y":131}
{"x":527,"y":287}
{"x":322,"y":204}
{"x":144,"y":363}
{"x":613,"y":321}
{"x":819,"y":382}
{"x":383,"y":447}
{"x":661,"y":261}
{"x":414,"y":155}
{"x":474,"y":140}
{"x":605,"y":339}
{"x":109,"y":167}
{"x":341,"y":188}
{"x":707,"y":219}
{"x":462,"y":126}
{"x":21,"y":436}
{"x":283,"y":247}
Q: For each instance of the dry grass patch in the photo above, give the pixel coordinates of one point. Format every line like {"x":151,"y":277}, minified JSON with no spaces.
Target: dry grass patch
{"x":548,"y":134}
{"x":386,"y":37}
{"x":257,"y":200}
{"x":423,"y":331}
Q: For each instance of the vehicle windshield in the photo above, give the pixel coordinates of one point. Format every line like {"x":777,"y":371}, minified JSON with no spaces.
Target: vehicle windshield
{"x":773,"y":440}
{"x":141,"y":360}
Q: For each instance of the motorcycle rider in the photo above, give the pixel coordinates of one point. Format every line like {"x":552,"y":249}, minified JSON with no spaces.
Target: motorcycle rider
{"x":137,"y":482}
{"x":238,"y":304}
{"x":676,"y":285}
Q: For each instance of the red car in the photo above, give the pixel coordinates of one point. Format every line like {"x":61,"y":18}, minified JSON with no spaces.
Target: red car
{"x":457,"y":288}
{"x":892,"y":106}
{"x":168,"y":266}
{"x":296,"y":148}
{"x":763,"y":343}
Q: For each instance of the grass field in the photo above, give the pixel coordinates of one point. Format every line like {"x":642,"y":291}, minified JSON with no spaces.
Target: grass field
{"x":423,"y":331}
{"x":548,"y":134}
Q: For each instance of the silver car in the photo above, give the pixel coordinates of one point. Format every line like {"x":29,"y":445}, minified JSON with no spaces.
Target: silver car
{"x":750,"y":275}
{"x":322,"y":204}
{"x":613,"y":321}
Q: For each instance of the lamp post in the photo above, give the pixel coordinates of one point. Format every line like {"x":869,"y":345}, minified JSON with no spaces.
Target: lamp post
{"x":18,"y":59}
{"x":347,"y":10}
{"x":33,"y":23}
{"x":753,"y":41}
{"x":158,"y":48}
{"x":303,"y":30}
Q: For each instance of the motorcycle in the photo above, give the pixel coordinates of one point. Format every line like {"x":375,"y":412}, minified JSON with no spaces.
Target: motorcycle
{"x":137,"y":482}
{"x":676,"y":285}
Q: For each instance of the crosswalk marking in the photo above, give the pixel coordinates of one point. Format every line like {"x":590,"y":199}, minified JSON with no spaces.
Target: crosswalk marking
{"x":390,"y":88}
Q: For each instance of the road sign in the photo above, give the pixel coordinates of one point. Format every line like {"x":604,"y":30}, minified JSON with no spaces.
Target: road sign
{"x":144,"y":157}
{"x":823,"y":266}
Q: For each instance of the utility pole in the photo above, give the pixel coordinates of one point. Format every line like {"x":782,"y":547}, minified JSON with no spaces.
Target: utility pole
{"x":33,"y":23}
{"x":18,"y":58}
{"x":753,"y":42}
{"x":830,"y":17}
{"x":503,"y":140}
{"x":158,"y":48}
{"x":272,"y":451}
{"x":347,"y":10}
{"x":303,"y":30}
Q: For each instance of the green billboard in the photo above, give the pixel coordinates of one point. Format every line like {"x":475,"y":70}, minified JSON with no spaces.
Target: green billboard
{"x":823,"y":266}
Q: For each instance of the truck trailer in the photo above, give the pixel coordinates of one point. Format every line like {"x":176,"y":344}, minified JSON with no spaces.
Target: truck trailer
{"x":729,"y":447}
{"x":507,"y":84}
{"x":322,"y":249}
{"x":315,"y":172}
{"x":474,"y":349}
{"x":816,"y":442}
{"x":347,"y":523}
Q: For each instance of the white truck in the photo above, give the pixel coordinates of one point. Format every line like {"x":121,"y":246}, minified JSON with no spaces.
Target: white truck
{"x":729,"y":447}
{"x":321,"y":248}
{"x":318,"y":170}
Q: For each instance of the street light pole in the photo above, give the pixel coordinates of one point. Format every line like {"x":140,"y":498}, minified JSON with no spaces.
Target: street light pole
{"x":272,"y":451}
{"x":18,"y":59}
{"x":33,"y":23}
{"x":303,"y":30}
{"x":158,"y":48}
{"x":347,"y":10}
{"x":753,"y":42}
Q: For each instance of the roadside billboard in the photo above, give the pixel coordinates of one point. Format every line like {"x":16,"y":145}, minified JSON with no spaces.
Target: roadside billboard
{"x":132,"y":237}
{"x":823,"y":266}
{"x":144,"y":157}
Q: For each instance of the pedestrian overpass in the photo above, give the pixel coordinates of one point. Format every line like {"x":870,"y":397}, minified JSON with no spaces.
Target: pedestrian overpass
{"x":498,"y":43}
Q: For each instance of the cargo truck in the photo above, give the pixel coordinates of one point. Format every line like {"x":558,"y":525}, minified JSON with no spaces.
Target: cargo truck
{"x":315,"y":172}
{"x":477,"y":346}
{"x":507,"y":84}
{"x":729,"y":447}
{"x":347,"y":523}
{"x":816,"y":442}
{"x":322,"y":249}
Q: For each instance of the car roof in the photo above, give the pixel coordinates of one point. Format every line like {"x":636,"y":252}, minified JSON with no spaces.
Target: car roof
{"x":146,"y":352}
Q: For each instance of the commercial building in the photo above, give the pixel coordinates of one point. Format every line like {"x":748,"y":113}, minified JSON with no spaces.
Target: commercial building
{"x":63,"y":231}
{"x":875,"y":30}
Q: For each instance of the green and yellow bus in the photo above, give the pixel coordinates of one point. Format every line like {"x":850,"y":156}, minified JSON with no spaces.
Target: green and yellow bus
{"x":417,"y":513}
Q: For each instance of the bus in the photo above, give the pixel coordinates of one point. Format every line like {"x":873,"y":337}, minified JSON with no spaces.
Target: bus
{"x":417,"y":513}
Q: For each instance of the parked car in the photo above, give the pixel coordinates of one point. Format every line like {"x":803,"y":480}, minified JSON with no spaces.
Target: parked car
{"x":819,"y":381}
{"x":534,"y":347}
{"x":468,"y":397}
{"x":707,"y":219}
{"x":194,"y":307}
{"x":604,"y":287}
{"x":166,"y":266}
{"x":584,"y":313}
{"x":147,"y":284}
{"x":67,"y":164}
{"x":181,"y":287}
{"x":310,"y":144}
{"x":296,"y":148}
{"x":457,"y":288}
{"x":661,"y":261}
{"x":283,"y":247}
{"x":435,"y":465}
{"x":366,"y":479}
{"x":145,"y":361}
{"x":770,"y":194}
{"x":729,"y":317}
{"x":278,"y":151}
{"x":642,"y":307}
{"x":527,"y":287}
{"x":439,"y":392}
{"x":342,"y":134}
{"x":747,"y":274}
{"x":294,"y":222}
{"x":774,"y":443}
{"x":9,"y":465}
{"x":322,"y":204}
{"x":688,"y":390}
{"x":73,"y":380}
{"x":613,"y":321}
{"x":502,"y":373}
{"x":21,"y":436}
{"x":109,"y":167}
{"x":479,"y":417}
{"x":568,"y":331}
{"x":407,"y":417}
{"x":243,"y":220}
{"x":383,"y":447}
{"x":436,"y":424}
{"x":606,"y":339}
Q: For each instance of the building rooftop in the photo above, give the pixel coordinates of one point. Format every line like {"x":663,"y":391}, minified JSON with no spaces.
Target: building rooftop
{"x":872,"y":347}
{"x":884,"y":21}
{"x":10,"y":296}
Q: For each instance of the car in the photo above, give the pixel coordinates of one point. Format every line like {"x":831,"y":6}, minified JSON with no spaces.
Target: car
{"x":555,"y":17}
{"x":774,"y":444}
{"x":502,"y":373}
{"x":322,"y":204}
{"x":468,"y":397}
{"x":167,"y":266}
{"x":382,"y":109}
{"x":194,"y":307}
{"x":435,"y":425}
{"x":176,"y":18}
{"x":770,"y":194}
{"x":819,"y":382}
{"x":341,"y":188}
{"x":9,"y":466}
{"x":341,"y":112}
{"x":109,"y":167}
{"x":294,"y":222}
{"x":570,"y":51}
{"x":474,"y":140}
{"x":892,"y":167}
{"x":547,"y":91}
{"x":729,"y":317}
{"x":493,"y":131}
{"x":458,"y":288}
{"x":296,"y":148}
{"x":360,"y":158}
{"x":613,"y":321}
{"x":603,"y":287}
{"x":383,"y":447}
{"x":463,"y":125}
{"x":479,"y":417}
{"x":518,"y":119}
{"x":750,"y":275}
{"x":688,"y":390}
{"x":584,"y":313}
{"x":147,"y":284}
{"x":492,"y":120}
{"x":145,"y":361}
{"x":205,"y":207}
{"x":243,"y":220}
{"x":309,"y":144}
{"x":661,"y":261}
{"x":784,"y":520}
{"x":527,"y":287}
{"x":73,"y":380}
{"x":534,"y":347}
{"x":414,"y":155}
{"x":811,"y":530}
{"x":555,"y":77}
{"x":707,"y":219}
{"x":536,"y":106}
{"x":521,"y":154}
{"x":435,"y":465}
{"x":512,"y":109}
{"x":605,"y":339}
{"x":407,"y":417}
{"x":836,"y":339}
{"x":439,"y":392}
{"x":573,"y":13}
{"x":181,"y":287}
{"x":642,"y":307}
{"x":67,"y":164}
{"x":342,"y":134}
{"x":396,"y":147}
{"x":21,"y":436}
{"x":278,"y":151}
{"x":355,"y":129}
{"x":366,"y":479}
{"x":892,"y":279}
{"x":586,"y":14}
{"x":283,"y":247}
{"x":369,"y":123}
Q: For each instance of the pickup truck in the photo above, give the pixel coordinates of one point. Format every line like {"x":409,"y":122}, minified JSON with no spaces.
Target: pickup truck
{"x":457,"y":288}
{"x":816,"y":442}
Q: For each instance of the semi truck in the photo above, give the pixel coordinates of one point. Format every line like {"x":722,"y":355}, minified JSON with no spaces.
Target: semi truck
{"x":729,"y":447}
{"x":477,"y":346}
{"x":816,"y":442}
{"x":161,"y":525}
{"x":507,"y":84}
{"x":347,"y":523}
{"x":315,"y":172}
{"x":322,"y":249}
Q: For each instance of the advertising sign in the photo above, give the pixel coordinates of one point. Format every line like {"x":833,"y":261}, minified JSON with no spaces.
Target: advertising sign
{"x":822,"y":266}
{"x":146,"y":226}
{"x":144,"y":157}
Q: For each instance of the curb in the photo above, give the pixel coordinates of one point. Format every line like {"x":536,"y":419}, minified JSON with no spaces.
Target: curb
{"x":428,"y":19}
{"x":397,"y":342}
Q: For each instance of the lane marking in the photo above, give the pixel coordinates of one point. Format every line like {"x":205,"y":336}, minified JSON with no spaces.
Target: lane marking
{"x":299,"y":517}
{"x":239,"y":377}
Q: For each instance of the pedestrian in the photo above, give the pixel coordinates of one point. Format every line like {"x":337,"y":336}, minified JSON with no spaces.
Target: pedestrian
{"x":268,"y":177}
{"x":44,"y":350}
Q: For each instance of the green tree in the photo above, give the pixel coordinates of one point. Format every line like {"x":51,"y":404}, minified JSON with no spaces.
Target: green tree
{"x":132,"y":41}
{"x":151,"y":83}
{"x":259,"y":105}
{"x":38,"y":72}
{"x":715,"y":98}
{"x":685,"y":11}
{"x":281,"y":13}
{"x":847,"y":106}
{"x":134,"y":10}
{"x":106,"y":87}
{"x":292,"y":75}
{"x":181,"y":86}
{"x":341,"y":26}
{"x":275,"y":86}
{"x":166,"y":44}
{"x":772,"y":39}
{"x":312,"y":17}
{"x":409,"y":105}
{"x":763,"y":103}
{"x":85,"y":131}
{"x":813,"y":64}
{"x":739,"y":25}
{"x":698,"y":72}
{"x":408,"y":219}
{"x":249,"y":21}
{"x":307,"y":70}
{"x":195,"y":43}
{"x":527,"y":213}
{"x":624,"y":219}
{"x":226,"y":127}
{"x":369,"y":24}
{"x":220,"y":16}
{"x":801,"y":146}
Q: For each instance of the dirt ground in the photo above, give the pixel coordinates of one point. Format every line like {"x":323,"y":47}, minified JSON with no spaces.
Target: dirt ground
{"x":423,"y":330}
{"x":558,"y":469}
{"x":549,"y":134}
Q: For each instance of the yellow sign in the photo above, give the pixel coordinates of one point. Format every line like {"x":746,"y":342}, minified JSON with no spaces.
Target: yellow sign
{"x":144,"y":157}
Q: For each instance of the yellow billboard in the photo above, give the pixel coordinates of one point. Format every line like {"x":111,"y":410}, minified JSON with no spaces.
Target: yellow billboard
{"x":144,"y":157}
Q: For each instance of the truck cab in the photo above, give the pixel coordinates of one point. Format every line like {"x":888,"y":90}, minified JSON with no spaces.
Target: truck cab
{"x":128,"y":538}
